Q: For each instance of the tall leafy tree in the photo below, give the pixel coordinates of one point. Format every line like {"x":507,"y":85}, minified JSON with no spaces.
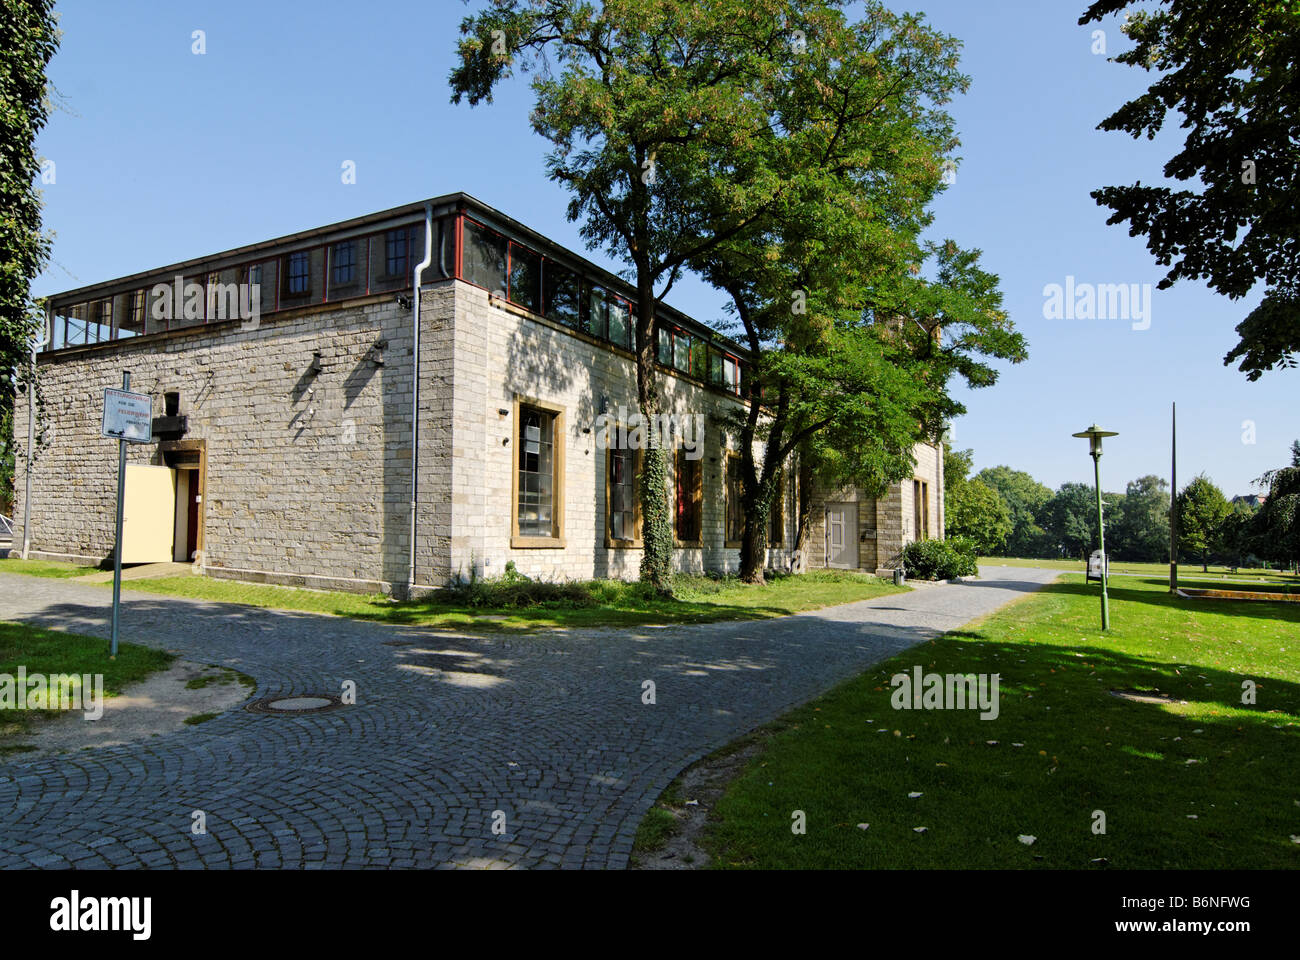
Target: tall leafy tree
{"x":658,"y":112}
{"x":28,"y":39}
{"x":854,"y":350}
{"x":1202,"y":511}
{"x":1141,"y":525}
{"x":1024,"y":497}
{"x":1230,"y":71}
{"x":1277,"y":524}
{"x":975,"y":510}
{"x":1070,"y":518}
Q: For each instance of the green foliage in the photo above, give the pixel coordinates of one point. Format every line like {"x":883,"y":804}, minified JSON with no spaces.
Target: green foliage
{"x":1229,"y":70}
{"x":513,"y":590}
{"x":1024,"y":497}
{"x":656,"y":520}
{"x":1139,"y":528}
{"x":701,"y":136}
{"x":28,"y":38}
{"x":1202,"y":510}
{"x":1070,"y":519}
{"x":1276,"y":527}
{"x":940,"y":559}
{"x":6,"y":452}
{"x":975,"y":510}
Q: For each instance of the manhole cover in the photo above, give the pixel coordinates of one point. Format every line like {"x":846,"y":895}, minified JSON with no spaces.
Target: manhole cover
{"x":311,"y":703}
{"x":1145,"y":696}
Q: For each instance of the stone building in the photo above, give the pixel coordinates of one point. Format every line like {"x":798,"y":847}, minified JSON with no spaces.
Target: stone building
{"x":282,"y":376}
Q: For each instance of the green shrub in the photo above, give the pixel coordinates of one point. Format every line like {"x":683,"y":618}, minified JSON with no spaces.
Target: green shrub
{"x":940,"y":559}
{"x":514,"y":590}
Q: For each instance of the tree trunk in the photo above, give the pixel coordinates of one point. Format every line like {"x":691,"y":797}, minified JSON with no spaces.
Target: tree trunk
{"x":803,"y":522}
{"x":753,"y":538}
{"x":656,"y":514}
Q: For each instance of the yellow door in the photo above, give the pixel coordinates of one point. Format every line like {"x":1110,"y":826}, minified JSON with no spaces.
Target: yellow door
{"x":148,"y":514}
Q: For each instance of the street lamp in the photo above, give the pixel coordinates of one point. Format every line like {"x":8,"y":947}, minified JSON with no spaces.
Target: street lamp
{"x":1094,"y":435}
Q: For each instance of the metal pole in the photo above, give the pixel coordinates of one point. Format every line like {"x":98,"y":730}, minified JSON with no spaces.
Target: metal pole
{"x":117,"y":549}
{"x":1173,"y":501}
{"x":1101,"y":536}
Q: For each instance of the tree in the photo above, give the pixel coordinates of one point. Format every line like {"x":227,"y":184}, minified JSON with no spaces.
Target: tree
{"x":971,"y":508}
{"x":857,"y":147}
{"x":1141,"y":526}
{"x":28,"y":39}
{"x":1024,"y":497}
{"x":976,"y":510}
{"x":1202,"y":510}
{"x":784,"y":153}
{"x":1277,"y":524}
{"x":656,"y":111}
{"x":1070,"y":518}
{"x":1239,"y":537}
{"x":1229,"y":70}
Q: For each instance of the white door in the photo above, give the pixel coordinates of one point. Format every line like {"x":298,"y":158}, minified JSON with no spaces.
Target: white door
{"x":148,"y":514}
{"x":842,"y":536}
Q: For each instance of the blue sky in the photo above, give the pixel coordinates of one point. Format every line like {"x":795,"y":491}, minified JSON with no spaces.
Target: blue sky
{"x":161,"y":154}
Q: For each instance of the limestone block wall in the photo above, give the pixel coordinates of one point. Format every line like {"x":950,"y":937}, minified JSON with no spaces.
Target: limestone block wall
{"x":885,"y":524}
{"x":308,"y":474}
{"x":503,"y":353}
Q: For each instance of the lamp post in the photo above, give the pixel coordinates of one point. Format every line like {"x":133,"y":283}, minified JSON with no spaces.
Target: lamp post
{"x":1094,"y":435}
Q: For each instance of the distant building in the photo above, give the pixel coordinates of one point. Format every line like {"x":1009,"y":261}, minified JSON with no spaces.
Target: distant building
{"x":282,"y":377}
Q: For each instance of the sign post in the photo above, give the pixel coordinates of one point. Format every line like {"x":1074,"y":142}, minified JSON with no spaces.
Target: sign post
{"x":128,"y":418}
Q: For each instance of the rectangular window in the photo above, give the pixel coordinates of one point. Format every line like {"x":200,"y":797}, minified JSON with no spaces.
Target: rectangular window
{"x":921,"y":509}
{"x":623,"y":508}
{"x":619,"y":328}
{"x":101,"y":321}
{"x":731,"y":374}
{"x":484,"y":258}
{"x":734,"y":515}
{"x":562,"y":292}
{"x":681,"y":350}
{"x":536,"y":495}
{"x":132,"y":322}
{"x":343,"y":263}
{"x":297,"y":274}
{"x":525,"y":278}
{"x":690,"y":499}
{"x":776,"y":531}
{"x":665,"y":352}
{"x":396,"y":252}
{"x":595,"y":318}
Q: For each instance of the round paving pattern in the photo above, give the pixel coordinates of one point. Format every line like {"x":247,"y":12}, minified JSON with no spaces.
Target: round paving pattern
{"x":459,"y":751}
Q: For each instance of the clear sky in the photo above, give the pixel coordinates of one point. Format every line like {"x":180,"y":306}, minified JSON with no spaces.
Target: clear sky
{"x":162,"y":154}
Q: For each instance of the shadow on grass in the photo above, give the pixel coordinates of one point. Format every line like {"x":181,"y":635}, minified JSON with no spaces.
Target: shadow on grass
{"x":1281,"y":610}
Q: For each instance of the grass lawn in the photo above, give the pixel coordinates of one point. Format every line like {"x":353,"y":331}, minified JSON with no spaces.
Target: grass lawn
{"x":44,"y":568}
{"x":612,"y":602}
{"x":1206,"y":784}
{"x":1187,"y":569}
{"x":53,"y":652}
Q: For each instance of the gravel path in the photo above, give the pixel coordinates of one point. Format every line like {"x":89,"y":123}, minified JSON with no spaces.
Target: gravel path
{"x":460,"y":751}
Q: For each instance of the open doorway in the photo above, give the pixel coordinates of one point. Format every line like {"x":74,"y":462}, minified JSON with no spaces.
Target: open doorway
{"x":188,"y":462}
{"x":188,"y":498}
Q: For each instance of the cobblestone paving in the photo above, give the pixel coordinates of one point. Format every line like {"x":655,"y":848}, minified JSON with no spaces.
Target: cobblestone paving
{"x":549,"y":728}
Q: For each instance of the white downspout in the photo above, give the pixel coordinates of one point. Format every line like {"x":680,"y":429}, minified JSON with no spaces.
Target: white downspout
{"x":415,"y":390}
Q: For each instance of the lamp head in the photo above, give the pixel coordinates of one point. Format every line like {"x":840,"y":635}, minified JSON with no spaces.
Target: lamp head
{"x":1094,"y":435}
